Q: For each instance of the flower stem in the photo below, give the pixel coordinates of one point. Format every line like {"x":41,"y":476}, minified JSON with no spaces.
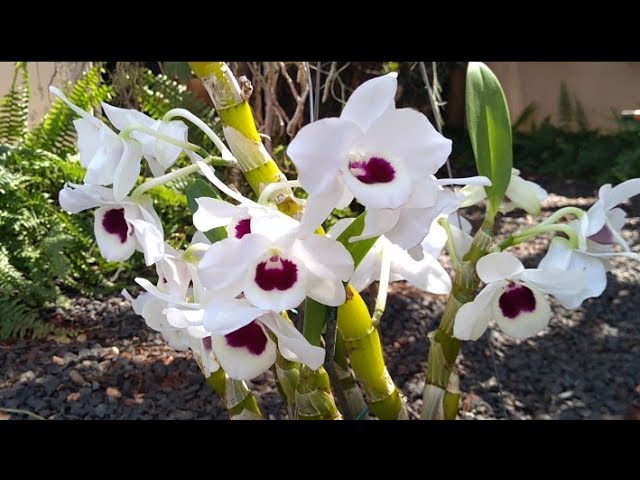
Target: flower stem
{"x":165,"y":138}
{"x":272,"y":188}
{"x":451,"y":247}
{"x":557,"y":215}
{"x":537,"y":230}
{"x":383,"y":286}
{"x":169,"y":177}
{"x":186,"y":114}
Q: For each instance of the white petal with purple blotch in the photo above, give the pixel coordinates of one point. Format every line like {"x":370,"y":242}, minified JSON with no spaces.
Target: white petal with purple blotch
{"x":521,"y":310}
{"x":245,"y":353}
{"x":114,"y":234}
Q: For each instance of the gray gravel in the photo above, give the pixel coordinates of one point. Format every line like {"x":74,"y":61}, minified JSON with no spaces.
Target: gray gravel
{"x":586,"y":365}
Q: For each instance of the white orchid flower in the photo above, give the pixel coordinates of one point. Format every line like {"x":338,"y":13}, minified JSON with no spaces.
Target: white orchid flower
{"x":230,"y":332}
{"x":174,"y":279}
{"x":605,"y":220}
{"x":408,"y":225}
{"x":381,"y":155}
{"x":159,"y":154}
{"x":514,"y":296}
{"x":561,"y":257}
{"x":111,"y":159}
{"x":520,"y":193}
{"x":426,"y":274}
{"x":240,"y":340}
{"x":268,"y":262}
{"x":121,"y":226}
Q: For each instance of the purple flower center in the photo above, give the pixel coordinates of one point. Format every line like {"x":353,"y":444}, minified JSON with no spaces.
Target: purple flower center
{"x":277,"y":273}
{"x":603,"y":236}
{"x":115,"y":224}
{"x":250,"y":336}
{"x":243,"y":227}
{"x":374,"y":170}
{"x":516,"y":300}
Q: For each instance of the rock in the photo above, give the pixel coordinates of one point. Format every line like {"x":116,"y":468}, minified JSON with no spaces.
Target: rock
{"x":51,"y":384}
{"x":101,"y":410}
{"x":77,"y":378}
{"x":566,"y":395}
{"x":57,"y":360}
{"x":84,"y":353}
{"x":81,"y":338}
{"x":73,"y":397}
{"x":27,"y":376}
{"x":113,"y":392}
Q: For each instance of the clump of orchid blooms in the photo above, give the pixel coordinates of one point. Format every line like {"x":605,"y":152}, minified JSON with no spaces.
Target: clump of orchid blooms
{"x":230,"y":294}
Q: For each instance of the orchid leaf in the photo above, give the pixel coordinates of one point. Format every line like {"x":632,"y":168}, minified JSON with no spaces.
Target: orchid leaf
{"x":490,"y":131}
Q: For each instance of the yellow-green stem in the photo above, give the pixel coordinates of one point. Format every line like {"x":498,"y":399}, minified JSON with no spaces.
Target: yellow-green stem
{"x":363,"y":345}
{"x":240,"y":402}
{"x":441,"y":394}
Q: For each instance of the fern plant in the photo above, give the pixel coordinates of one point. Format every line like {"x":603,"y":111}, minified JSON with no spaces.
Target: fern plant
{"x":14,"y":107}
{"x":46,"y":254}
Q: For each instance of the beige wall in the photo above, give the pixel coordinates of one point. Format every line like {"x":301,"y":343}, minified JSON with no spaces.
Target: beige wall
{"x":41,"y":75}
{"x":600,"y":86}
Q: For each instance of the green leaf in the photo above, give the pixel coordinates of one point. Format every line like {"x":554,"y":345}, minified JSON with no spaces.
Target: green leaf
{"x":200,"y":188}
{"x":490,"y":131}
{"x":357,"y":249}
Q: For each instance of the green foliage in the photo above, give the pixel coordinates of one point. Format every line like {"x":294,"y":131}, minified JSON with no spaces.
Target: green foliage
{"x":565,"y":106}
{"x":489,"y":131}
{"x":571,"y":112}
{"x":56,"y":133}
{"x":358,"y":249}
{"x":14,"y":107}
{"x":589,"y":155}
{"x":44,"y":252}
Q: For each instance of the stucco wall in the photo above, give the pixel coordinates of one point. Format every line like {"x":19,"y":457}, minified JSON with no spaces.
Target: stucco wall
{"x":604,"y":88}
{"x":41,"y":75}
{"x":600,"y":86}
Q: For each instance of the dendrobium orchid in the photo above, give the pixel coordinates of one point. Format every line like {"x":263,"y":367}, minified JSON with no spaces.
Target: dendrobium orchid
{"x":265,"y":259}
{"x":226,"y":295}
{"x":385,"y":157}
{"x":514,"y":296}
{"x":112,"y":159}
{"x":520,"y":193}
{"x":605,"y":219}
{"x":426,"y":274}
{"x":230,"y":332}
{"x":121,"y":226}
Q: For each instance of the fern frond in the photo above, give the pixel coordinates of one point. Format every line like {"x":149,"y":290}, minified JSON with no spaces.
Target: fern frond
{"x":14,"y":107}
{"x":56,"y":133}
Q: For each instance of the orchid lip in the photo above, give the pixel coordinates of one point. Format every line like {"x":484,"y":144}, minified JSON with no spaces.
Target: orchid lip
{"x":516,"y":299}
{"x":242,"y":228}
{"x":115,"y":223}
{"x":251,"y":337}
{"x":372,"y":171}
{"x":276,"y":274}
